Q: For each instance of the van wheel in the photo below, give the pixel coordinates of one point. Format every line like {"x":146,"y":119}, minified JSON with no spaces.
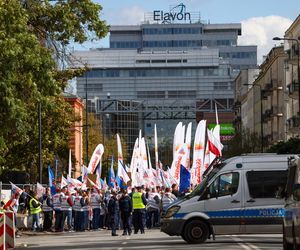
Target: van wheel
{"x":195,"y":232}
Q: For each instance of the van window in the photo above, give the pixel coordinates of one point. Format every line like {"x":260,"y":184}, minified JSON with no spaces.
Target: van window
{"x":266,"y":184}
{"x":225,"y":184}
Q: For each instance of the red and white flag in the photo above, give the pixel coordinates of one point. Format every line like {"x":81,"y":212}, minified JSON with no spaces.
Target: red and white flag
{"x":40,"y":189}
{"x":64,"y":182}
{"x":215,"y":146}
{"x":15,"y":189}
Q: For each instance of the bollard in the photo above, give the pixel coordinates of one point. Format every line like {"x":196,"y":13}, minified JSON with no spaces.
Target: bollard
{"x":2,"y":231}
{"x":9,"y":229}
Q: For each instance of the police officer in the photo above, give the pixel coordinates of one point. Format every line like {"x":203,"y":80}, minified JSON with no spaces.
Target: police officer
{"x":113,"y":211}
{"x":126,"y":210}
{"x":47,"y":207}
{"x":139,"y":203}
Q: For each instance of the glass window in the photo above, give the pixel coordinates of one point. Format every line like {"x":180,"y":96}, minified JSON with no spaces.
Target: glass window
{"x":225,"y":184}
{"x":266,"y":184}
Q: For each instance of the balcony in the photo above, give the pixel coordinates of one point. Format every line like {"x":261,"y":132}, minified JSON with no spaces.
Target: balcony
{"x":267,"y":115}
{"x":276,"y":111}
{"x":268,"y":89}
{"x":293,"y":89}
{"x":293,"y":122}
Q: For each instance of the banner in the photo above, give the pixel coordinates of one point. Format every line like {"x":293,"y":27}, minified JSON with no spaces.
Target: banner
{"x":95,"y":159}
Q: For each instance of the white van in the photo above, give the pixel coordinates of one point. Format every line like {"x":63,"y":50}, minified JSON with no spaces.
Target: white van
{"x":291,"y":220}
{"x":237,"y":196}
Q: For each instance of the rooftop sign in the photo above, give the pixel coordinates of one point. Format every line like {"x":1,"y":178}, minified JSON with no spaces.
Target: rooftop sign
{"x":177,"y":14}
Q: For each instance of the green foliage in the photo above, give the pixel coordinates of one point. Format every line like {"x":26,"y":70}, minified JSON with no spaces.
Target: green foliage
{"x":292,"y":146}
{"x":29,"y":75}
{"x":243,"y":143}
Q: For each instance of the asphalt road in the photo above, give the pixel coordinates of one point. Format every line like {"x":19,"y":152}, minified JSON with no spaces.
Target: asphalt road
{"x":152,"y":239}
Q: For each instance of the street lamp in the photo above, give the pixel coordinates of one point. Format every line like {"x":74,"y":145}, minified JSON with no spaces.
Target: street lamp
{"x":86,"y":121}
{"x":261,"y":116}
{"x":298,"y":67}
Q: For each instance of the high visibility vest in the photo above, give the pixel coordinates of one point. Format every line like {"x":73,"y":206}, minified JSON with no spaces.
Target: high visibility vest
{"x":34,"y":210}
{"x":137,"y":201}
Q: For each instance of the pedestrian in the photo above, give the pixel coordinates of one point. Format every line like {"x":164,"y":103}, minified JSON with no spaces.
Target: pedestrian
{"x":35,"y":209}
{"x":113,"y":211}
{"x":139,"y":203}
{"x":125,"y":203}
{"x":47,"y":208}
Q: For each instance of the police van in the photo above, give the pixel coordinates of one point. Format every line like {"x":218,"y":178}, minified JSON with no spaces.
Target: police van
{"x":291,"y":221}
{"x":240,"y":195}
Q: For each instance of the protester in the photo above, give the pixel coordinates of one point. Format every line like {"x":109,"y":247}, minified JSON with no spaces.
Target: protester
{"x":57,"y":210}
{"x":66,"y":208}
{"x":175,"y":190}
{"x":153,"y":209}
{"x":167,"y":198}
{"x":85,"y":208}
{"x":125,"y":203}
{"x":139,"y":203}
{"x":47,"y":208}
{"x":79,"y":215}
{"x":24,"y":200}
{"x":95,"y":203}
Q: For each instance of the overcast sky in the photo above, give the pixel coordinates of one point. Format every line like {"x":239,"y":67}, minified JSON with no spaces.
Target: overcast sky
{"x":261,"y":19}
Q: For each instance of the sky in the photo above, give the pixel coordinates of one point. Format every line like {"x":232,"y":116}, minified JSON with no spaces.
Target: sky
{"x":261,"y":19}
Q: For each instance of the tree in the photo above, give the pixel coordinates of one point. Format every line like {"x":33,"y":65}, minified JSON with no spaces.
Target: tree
{"x":292,"y":146}
{"x":245,"y":142}
{"x":29,"y":75}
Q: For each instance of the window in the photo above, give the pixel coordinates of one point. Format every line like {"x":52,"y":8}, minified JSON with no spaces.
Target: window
{"x":225,"y":184}
{"x":266,"y":184}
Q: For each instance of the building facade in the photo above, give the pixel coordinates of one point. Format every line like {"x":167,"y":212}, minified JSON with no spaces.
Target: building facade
{"x":292,"y":77}
{"x":75,"y":140}
{"x":165,"y":73}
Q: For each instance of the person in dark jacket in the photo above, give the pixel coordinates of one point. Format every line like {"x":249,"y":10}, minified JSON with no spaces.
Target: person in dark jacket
{"x":113,"y":211}
{"x":126,"y":210}
{"x":47,"y":208}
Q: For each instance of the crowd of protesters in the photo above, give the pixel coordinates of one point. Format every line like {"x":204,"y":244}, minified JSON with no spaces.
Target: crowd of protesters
{"x":94,"y":209}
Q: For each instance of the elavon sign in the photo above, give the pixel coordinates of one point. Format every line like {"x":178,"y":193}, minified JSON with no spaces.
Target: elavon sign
{"x":177,"y":13}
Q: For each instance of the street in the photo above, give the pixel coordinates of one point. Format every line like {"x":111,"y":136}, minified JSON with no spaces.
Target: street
{"x":152,"y":239}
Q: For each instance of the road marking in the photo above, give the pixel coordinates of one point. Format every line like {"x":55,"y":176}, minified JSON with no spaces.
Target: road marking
{"x":124,"y":243}
{"x":120,"y":248}
{"x":246,"y":246}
